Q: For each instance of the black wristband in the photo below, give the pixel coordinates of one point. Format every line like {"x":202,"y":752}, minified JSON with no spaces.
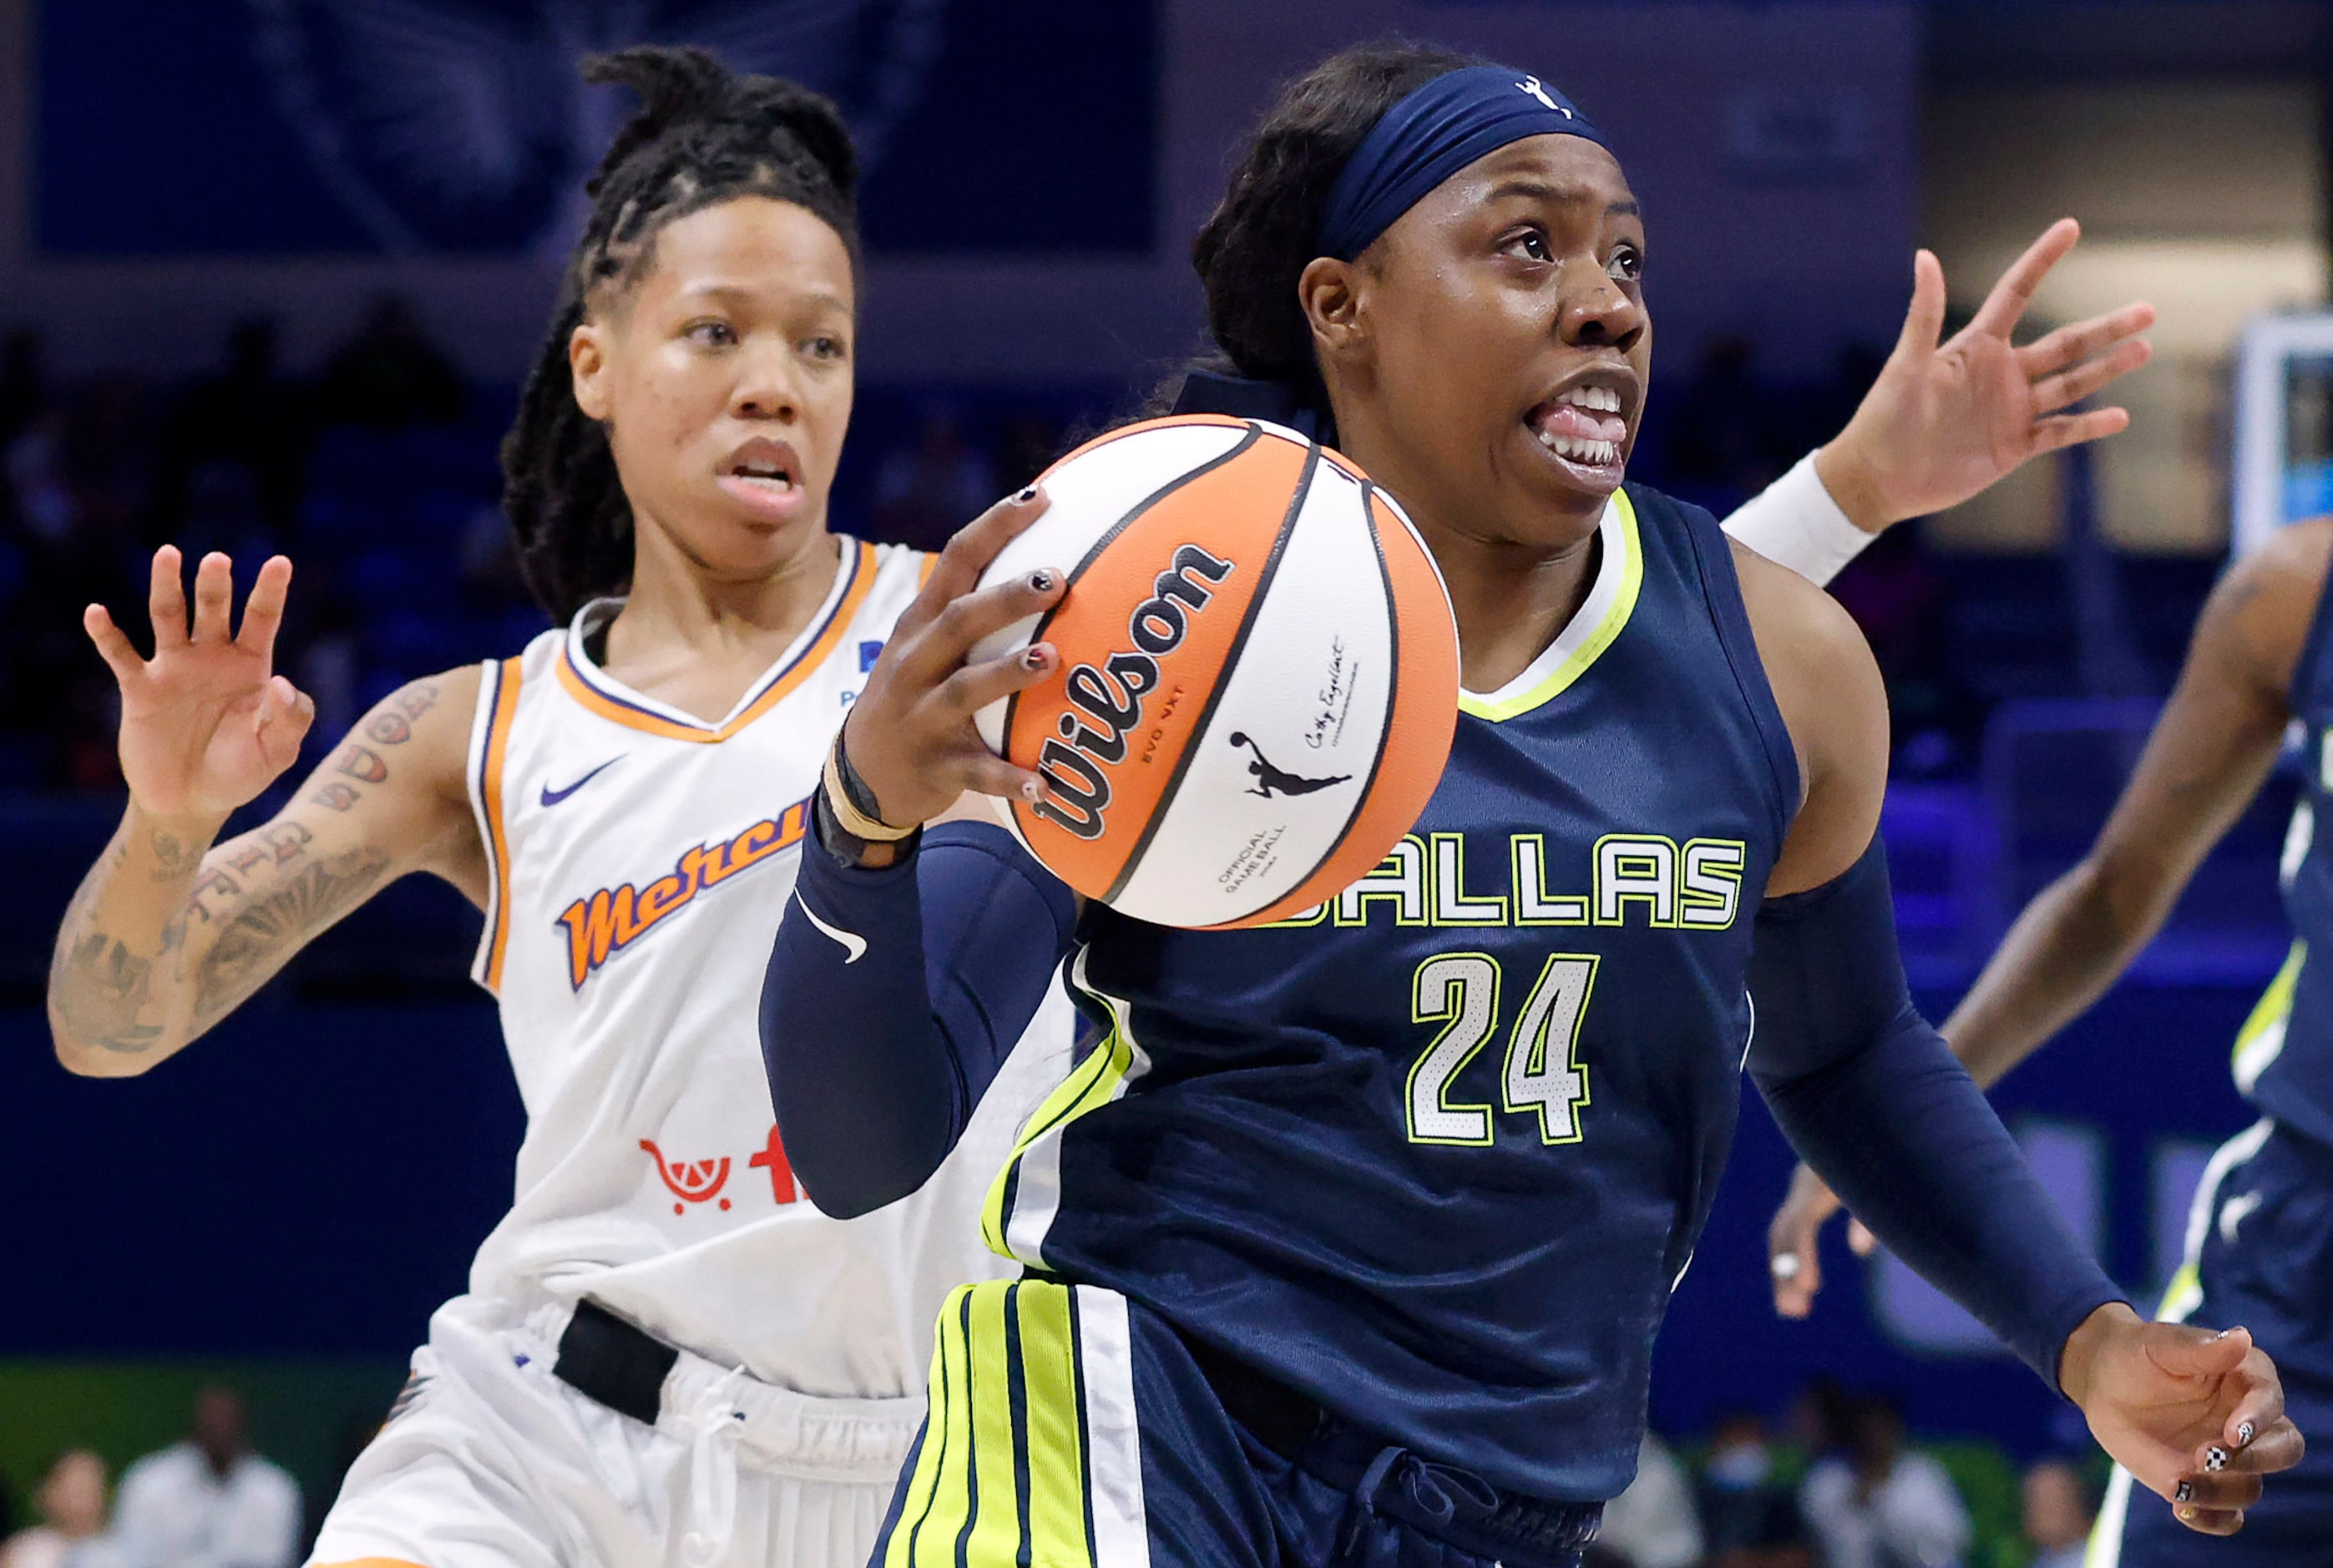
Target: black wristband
{"x":845,"y":848}
{"x":862,"y":799}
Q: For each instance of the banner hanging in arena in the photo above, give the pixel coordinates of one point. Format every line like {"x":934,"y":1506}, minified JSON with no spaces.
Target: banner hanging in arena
{"x":418,"y":126}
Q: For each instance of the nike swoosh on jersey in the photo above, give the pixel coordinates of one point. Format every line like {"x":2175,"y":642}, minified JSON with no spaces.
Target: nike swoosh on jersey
{"x":854,"y":945}
{"x":552,"y":797}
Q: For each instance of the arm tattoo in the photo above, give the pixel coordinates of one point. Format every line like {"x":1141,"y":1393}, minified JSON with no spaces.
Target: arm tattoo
{"x":100,"y":988}
{"x":101,"y":991}
{"x":272,"y":925}
{"x":362,"y":764}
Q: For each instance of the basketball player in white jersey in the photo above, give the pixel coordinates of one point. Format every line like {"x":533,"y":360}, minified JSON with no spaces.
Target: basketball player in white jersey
{"x":666,"y":1356}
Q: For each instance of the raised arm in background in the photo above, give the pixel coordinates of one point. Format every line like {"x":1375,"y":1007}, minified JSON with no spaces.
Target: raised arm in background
{"x":1949,"y":417}
{"x":2210,"y":750}
{"x":170,"y":930}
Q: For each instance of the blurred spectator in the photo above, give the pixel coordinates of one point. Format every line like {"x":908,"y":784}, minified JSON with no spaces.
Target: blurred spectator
{"x":1878,"y":1507}
{"x":76,"y":491}
{"x":1026,"y":446}
{"x":925,"y":492}
{"x":70,"y":1503}
{"x":1899,"y":599}
{"x":2058,"y":1514}
{"x":23,"y":381}
{"x":209,"y":1501}
{"x":1748,"y":1517}
{"x":1723,"y":446}
{"x":239,"y":437}
{"x":390,"y":375}
{"x":1652,"y":1523}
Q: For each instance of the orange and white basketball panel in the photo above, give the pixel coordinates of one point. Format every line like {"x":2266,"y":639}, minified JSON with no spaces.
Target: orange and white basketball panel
{"x":1286,"y":757}
{"x":1088,"y":495}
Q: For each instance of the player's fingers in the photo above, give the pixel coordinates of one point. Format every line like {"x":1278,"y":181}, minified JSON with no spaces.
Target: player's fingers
{"x":2218,"y":1489}
{"x":120,"y":657}
{"x":2209,"y":1521}
{"x":2061,"y":430}
{"x":1793,"y":1254}
{"x":2259,"y":1407}
{"x":2183,"y":1350}
{"x":986,"y":772}
{"x":2273,"y":1445}
{"x":262,"y":612}
{"x":2072,"y":344}
{"x":2052,"y":393}
{"x":284,"y":715}
{"x":2014,"y":291}
{"x":941,"y":648}
{"x":166,"y":598}
{"x":976,"y":686}
{"x":1859,"y":1237}
{"x":214,"y":597}
{"x":1924,"y":319}
{"x":978,"y":542}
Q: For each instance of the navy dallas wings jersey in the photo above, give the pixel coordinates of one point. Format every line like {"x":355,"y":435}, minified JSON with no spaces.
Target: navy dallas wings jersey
{"x":1437,"y":1153}
{"x":2284,"y":1054}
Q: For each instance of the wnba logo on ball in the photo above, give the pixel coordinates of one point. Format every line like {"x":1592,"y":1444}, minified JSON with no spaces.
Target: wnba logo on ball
{"x":1111,"y":697}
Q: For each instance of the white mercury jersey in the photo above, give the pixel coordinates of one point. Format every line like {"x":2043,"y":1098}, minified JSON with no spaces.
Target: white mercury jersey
{"x":641,"y":859}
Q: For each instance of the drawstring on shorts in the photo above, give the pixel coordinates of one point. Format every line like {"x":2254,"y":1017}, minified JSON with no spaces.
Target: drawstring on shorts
{"x":716,"y":1424}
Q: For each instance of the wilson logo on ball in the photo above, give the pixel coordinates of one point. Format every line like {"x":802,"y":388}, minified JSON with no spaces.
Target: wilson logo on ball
{"x":1235,"y":737}
{"x":1111,"y":697}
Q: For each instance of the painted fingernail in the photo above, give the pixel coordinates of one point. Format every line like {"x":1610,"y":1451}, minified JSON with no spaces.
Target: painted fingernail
{"x":1029,"y":790}
{"x":2244,"y":1433}
{"x":2185,"y":1494}
{"x":1040,"y":582}
{"x":2215,"y":1458}
{"x":1023,"y":497}
{"x":1034,"y":658}
{"x":2187,"y":1515}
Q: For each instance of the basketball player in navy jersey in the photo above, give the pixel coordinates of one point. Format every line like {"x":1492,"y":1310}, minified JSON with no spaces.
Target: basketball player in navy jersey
{"x":2260,"y":1239}
{"x":1350,"y":1240}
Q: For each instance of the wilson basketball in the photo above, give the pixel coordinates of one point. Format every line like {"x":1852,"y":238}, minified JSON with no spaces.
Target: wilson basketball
{"x":1259,"y":673}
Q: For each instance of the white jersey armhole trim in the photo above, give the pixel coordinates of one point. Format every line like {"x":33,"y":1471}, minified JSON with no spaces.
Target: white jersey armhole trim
{"x":490,"y":727}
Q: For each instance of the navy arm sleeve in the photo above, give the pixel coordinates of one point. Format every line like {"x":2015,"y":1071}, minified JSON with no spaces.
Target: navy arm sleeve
{"x":1871,"y":1097}
{"x":892,"y":998}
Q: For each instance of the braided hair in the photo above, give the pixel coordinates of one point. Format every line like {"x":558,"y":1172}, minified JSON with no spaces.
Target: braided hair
{"x":1254,"y":249}
{"x":703,"y":135}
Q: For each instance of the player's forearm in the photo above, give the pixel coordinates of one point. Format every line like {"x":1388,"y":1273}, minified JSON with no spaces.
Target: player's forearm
{"x":118,"y":1000}
{"x":891,"y":998}
{"x":2073,"y":942}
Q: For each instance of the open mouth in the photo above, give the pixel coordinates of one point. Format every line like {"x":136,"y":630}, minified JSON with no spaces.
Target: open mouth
{"x":1583,"y":426}
{"x":769,"y":475}
{"x":765,"y":476}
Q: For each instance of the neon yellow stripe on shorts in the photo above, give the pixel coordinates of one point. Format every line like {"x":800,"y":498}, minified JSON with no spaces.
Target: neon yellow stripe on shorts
{"x":940,"y":1501}
{"x":1051,"y":1394}
{"x":995,"y":1492}
{"x":1005,"y":1402}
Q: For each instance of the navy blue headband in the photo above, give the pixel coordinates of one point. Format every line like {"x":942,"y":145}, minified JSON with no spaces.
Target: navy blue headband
{"x":1431,"y":134}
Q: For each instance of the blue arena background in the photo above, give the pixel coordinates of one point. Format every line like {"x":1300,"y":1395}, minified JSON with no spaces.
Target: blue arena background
{"x":162,"y":129}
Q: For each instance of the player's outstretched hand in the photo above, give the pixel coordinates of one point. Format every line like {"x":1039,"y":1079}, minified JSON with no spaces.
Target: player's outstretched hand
{"x":207,"y":723}
{"x":1792,"y":1241}
{"x":1947,"y":420}
{"x":910,"y":735}
{"x":2195,"y":1417}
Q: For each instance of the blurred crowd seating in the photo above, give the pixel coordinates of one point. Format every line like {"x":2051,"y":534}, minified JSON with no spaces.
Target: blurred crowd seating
{"x":378,"y":476}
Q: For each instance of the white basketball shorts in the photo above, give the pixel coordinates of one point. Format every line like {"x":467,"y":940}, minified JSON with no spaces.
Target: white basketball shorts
{"x":489,"y":1461}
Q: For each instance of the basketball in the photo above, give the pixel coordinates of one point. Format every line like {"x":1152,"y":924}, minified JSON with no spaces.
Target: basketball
{"x":1258,"y":679}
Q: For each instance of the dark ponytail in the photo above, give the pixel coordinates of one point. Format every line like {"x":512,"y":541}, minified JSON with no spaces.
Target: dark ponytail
{"x":703,"y":135}
{"x":1256,"y":246}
